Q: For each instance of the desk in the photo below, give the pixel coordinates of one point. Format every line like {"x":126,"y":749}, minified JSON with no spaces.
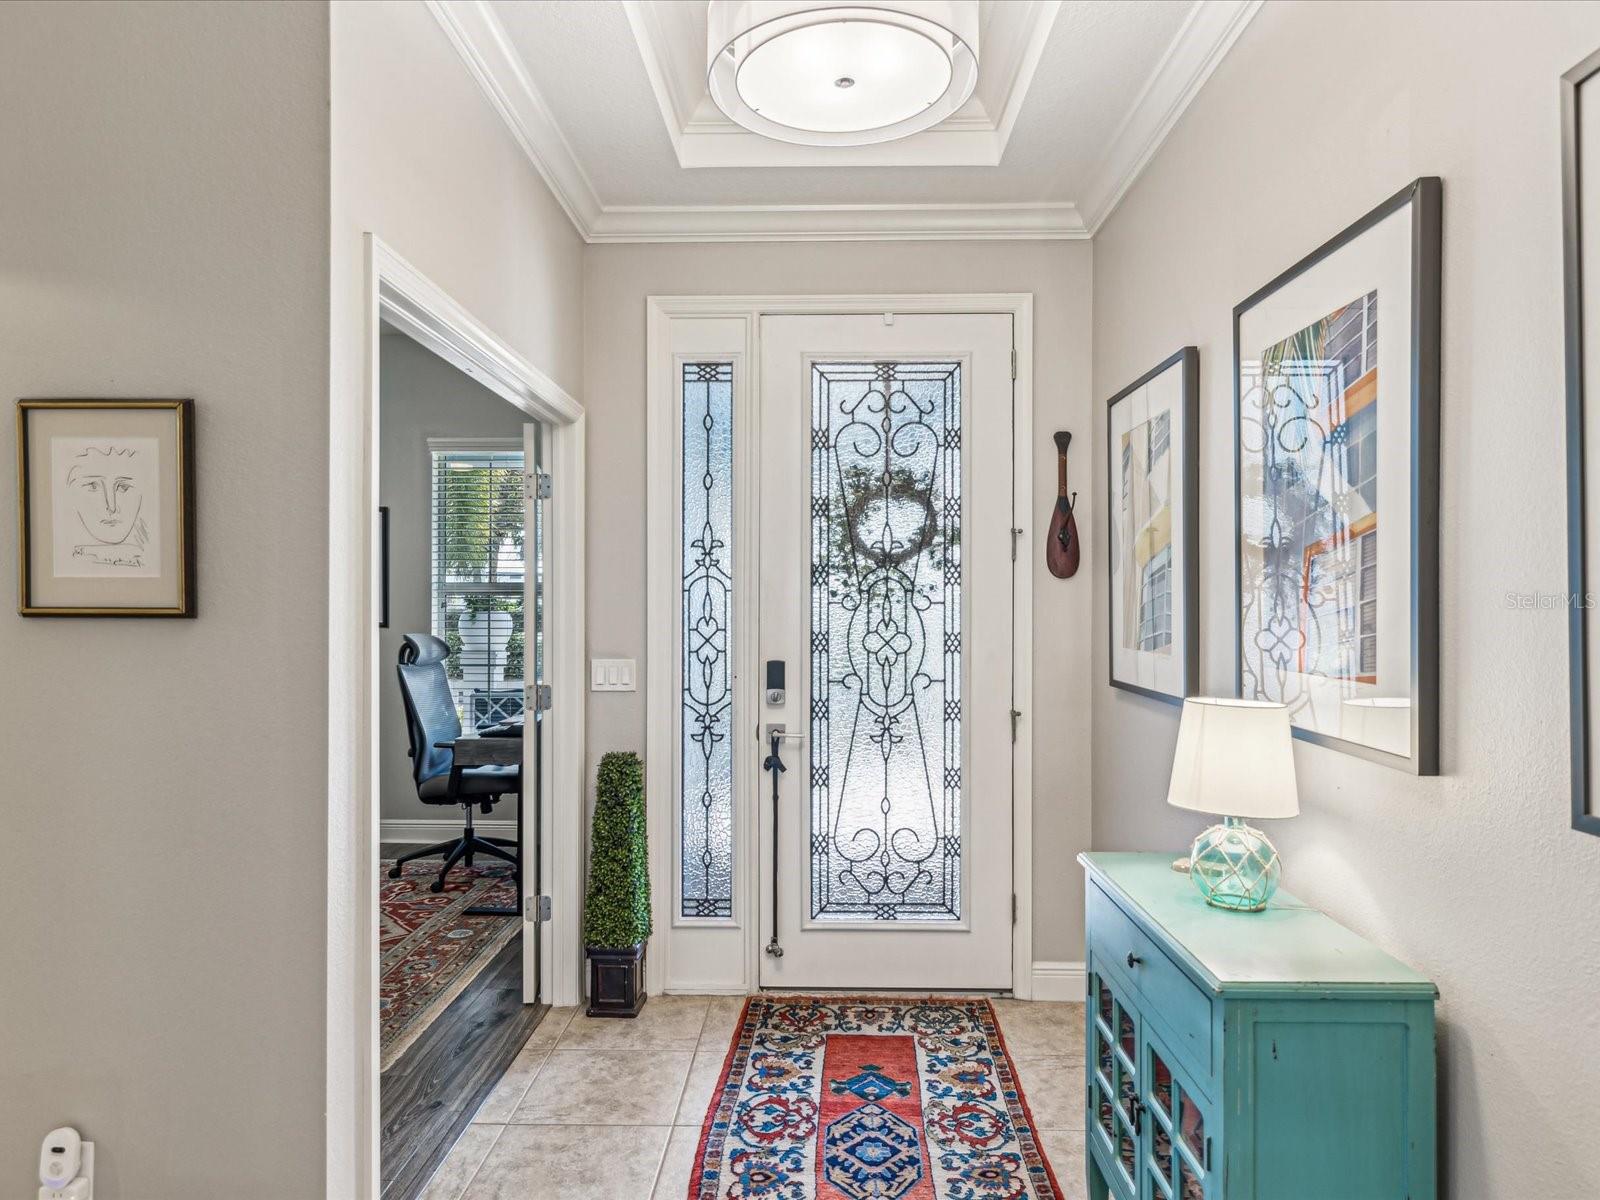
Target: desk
{"x":500,"y":748}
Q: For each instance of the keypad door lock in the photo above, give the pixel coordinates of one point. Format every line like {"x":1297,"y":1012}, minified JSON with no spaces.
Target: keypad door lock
{"x":775,"y":688}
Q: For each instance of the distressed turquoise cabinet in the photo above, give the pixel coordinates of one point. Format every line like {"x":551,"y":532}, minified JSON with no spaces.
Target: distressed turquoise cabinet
{"x":1248,"y":1056}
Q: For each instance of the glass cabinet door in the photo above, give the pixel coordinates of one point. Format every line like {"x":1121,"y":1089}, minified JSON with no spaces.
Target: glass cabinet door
{"x":1176,"y":1159}
{"x":1114,"y":1080}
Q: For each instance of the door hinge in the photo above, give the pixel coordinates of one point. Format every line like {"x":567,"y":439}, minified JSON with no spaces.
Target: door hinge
{"x":1015,"y":534}
{"x":540,"y":697}
{"x":1016,"y":715}
{"x":1013,"y":908}
{"x":1013,"y":362}
{"x":536,"y":485}
{"x":536,"y":908}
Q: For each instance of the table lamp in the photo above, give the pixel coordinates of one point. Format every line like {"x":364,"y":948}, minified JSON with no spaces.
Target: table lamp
{"x":1235,"y":758}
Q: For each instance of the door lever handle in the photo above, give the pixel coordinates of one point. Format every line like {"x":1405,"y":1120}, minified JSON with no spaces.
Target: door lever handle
{"x":774,"y":763}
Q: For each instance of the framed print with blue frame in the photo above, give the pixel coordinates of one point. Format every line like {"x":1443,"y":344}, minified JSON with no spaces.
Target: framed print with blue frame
{"x":1336,"y":487}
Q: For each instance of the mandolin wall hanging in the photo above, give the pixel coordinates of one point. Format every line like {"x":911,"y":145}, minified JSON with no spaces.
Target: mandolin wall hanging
{"x":1061,"y":548}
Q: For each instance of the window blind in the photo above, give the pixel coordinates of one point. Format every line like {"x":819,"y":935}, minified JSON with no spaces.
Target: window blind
{"x":477,"y":561}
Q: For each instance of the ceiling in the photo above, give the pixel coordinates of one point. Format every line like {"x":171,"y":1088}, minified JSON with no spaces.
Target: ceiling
{"x":609,"y":99}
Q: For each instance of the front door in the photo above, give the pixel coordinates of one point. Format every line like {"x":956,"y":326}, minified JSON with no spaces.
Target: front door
{"x":886,"y":577}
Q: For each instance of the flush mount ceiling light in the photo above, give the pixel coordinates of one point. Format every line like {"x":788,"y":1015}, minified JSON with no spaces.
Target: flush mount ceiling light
{"x":821,"y":74}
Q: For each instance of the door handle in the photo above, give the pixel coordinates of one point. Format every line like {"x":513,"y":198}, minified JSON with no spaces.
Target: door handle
{"x":774,"y":763}
{"x":1133,"y":960}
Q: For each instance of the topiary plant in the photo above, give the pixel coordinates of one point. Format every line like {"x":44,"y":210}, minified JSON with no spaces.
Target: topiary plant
{"x":616,"y":912}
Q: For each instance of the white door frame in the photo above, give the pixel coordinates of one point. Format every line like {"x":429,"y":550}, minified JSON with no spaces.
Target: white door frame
{"x":401,"y":295}
{"x":662,"y":598}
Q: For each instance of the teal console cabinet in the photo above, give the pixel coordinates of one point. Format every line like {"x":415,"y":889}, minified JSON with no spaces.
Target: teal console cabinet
{"x":1248,"y":1056}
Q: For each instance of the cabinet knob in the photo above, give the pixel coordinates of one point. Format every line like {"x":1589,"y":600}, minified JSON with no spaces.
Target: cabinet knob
{"x":1133,"y":960}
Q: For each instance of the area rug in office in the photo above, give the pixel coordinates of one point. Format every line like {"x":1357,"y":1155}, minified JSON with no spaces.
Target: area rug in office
{"x":429,"y":949}
{"x":869,"y":1098}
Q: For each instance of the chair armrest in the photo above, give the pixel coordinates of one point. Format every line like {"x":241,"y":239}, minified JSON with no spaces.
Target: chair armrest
{"x":485,"y":752}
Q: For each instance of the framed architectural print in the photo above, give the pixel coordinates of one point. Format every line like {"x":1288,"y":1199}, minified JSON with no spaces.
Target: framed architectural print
{"x":1153,"y":468}
{"x":1580,"y":153}
{"x":1336,"y":481}
{"x":106,"y":508}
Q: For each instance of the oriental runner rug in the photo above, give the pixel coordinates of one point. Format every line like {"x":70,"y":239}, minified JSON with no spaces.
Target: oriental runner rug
{"x":869,"y":1098}
{"x":429,"y":949}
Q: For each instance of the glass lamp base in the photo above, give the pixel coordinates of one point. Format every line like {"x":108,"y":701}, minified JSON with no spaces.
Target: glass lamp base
{"x":1235,"y":866}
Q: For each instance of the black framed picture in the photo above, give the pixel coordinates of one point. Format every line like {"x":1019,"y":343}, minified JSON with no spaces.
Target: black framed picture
{"x":1152,"y":525}
{"x":1336,"y":487}
{"x":107,"y":507}
{"x":1580,"y":148}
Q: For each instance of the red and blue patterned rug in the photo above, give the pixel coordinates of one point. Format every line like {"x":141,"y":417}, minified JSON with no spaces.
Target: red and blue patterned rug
{"x":869,"y":1098}
{"x":429,"y":949}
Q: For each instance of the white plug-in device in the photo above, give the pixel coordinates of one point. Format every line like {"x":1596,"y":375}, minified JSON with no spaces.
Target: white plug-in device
{"x":66,"y":1166}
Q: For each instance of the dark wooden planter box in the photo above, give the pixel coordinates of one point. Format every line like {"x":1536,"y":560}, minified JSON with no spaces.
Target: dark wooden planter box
{"x":616,"y":982}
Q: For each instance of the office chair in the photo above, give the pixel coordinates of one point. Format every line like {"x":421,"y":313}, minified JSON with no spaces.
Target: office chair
{"x":431,"y":718}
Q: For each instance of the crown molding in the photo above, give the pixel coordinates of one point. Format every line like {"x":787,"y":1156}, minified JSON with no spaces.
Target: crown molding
{"x":478,"y":37}
{"x":1200,"y":45}
{"x":838,"y":223}
{"x":481,"y":41}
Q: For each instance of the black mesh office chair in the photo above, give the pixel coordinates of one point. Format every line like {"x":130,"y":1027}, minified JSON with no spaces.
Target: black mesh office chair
{"x":431,"y":718}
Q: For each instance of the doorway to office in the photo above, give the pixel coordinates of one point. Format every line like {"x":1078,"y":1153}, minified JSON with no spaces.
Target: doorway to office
{"x":399,"y":296}
{"x":461,"y":667}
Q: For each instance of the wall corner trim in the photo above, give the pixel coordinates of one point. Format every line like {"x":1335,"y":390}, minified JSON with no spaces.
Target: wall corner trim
{"x":1059,"y":981}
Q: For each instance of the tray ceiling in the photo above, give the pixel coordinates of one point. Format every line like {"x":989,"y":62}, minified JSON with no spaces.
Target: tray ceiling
{"x":609,"y":99}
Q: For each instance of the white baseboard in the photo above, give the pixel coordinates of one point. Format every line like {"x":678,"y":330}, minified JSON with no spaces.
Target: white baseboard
{"x":423,"y":830}
{"x":1059,"y":981}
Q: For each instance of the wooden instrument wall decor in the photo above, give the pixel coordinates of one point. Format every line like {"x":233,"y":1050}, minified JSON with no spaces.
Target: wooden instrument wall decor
{"x":1061,"y":548}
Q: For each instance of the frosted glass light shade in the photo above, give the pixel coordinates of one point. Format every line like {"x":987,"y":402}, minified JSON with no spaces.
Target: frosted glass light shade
{"x":831,"y":74}
{"x":1235,"y":758}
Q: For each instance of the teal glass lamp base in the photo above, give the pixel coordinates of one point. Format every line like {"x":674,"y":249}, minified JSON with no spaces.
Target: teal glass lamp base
{"x":1235,"y":866}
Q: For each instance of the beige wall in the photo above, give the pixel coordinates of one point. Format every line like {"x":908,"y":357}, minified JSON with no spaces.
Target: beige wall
{"x":616,"y":281}
{"x":420,"y":397}
{"x":164,"y":232}
{"x":1320,"y":112}
{"x":423,"y":161}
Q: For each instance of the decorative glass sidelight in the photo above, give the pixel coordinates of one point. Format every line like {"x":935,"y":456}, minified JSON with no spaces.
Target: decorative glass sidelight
{"x":706,"y":785}
{"x":886,"y":746}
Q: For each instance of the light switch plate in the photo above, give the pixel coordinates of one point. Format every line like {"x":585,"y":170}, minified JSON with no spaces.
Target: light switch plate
{"x":612,"y":675}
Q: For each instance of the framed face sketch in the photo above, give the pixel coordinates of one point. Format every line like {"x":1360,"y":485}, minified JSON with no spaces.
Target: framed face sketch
{"x":106,"y":501}
{"x":1152,"y":512}
{"x":1580,"y":151}
{"x":1336,"y":479}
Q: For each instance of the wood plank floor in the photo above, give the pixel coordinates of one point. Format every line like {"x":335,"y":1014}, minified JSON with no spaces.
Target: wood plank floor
{"x":432,"y":1090}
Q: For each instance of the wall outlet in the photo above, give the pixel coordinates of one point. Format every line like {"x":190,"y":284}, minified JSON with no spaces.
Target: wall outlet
{"x":612,"y":675}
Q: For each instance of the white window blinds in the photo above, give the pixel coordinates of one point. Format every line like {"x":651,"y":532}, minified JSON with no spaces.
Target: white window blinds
{"x":477,"y":563}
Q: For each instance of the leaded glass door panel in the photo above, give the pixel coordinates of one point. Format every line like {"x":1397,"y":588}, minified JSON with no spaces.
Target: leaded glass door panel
{"x":886,"y":589}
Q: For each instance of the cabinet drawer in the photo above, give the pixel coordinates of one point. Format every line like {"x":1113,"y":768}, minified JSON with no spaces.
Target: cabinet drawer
{"x":1166,"y":993}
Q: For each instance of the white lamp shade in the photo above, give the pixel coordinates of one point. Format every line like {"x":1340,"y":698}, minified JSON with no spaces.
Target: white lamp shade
{"x":1235,"y":758}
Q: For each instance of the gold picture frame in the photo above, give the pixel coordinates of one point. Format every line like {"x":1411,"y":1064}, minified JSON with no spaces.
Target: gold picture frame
{"x":106,"y":508}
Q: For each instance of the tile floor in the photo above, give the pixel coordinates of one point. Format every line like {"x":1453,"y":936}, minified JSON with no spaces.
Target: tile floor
{"x":610,"y":1110}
